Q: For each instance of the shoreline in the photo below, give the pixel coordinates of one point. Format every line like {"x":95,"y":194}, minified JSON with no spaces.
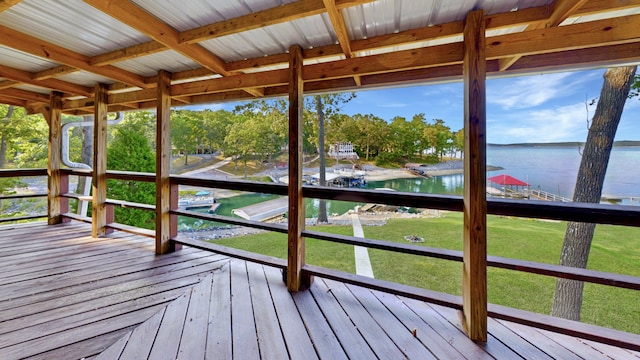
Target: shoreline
{"x":440,"y":169}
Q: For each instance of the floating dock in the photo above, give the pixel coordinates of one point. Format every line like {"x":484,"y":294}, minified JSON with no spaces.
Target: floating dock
{"x":265,"y":210}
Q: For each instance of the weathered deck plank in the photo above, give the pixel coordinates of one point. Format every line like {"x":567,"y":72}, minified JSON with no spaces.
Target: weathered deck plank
{"x":197,"y":305}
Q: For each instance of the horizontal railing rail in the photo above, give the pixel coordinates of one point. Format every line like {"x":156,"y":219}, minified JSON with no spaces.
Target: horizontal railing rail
{"x":4,"y":173}
{"x":19,"y":173}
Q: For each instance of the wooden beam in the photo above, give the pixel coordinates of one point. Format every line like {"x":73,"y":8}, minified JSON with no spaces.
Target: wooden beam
{"x":12,"y":101}
{"x":99,"y":176}
{"x":474,"y":273}
{"x":53,"y":72}
{"x":163,"y":164}
{"x":570,"y":37}
{"x":21,"y":76}
{"x":56,"y":204}
{"x":25,"y":95}
{"x":6,"y":84}
{"x":296,"y":217}
{"x":131,"y":52}
{"x":136,"y":17}
{"x":6,"y":4}
{"x":277,"y":15}
{"x":561,"y":9}
{"x":44,"y":49}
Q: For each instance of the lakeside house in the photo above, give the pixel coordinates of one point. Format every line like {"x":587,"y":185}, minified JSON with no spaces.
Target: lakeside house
{"x":82,"y":287}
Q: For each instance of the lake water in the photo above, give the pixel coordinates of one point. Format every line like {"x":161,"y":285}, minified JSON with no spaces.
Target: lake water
{"x":552,"y":169}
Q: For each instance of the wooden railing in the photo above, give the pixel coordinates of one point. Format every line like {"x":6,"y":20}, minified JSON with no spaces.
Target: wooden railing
{"x":543,"y":195}
{"x":20,"y":173}
{"x":582,"y":212}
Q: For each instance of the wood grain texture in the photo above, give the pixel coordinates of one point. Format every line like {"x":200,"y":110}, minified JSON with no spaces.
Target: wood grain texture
{"x":99,"y":176}
{"x":474,"y":272}
{"x":296,"y":217}
{"x":163,"y":164}
{"x":112,"y":297}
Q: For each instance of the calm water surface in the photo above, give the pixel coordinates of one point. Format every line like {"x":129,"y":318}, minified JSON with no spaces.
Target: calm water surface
{"x":552,"y":169}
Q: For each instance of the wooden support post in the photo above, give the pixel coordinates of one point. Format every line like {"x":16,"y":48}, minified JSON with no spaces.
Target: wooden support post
{"x":99,"y":178}
{"x":163,"y":164}
{"x":296,"y":248}
{"x":55,"y":184}
{"x":474,"y":274}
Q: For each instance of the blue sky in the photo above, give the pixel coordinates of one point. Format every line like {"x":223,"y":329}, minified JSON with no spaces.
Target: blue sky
{"x":538,"y":108}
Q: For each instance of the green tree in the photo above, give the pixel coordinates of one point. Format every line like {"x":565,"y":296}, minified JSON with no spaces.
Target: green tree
{"x":372,"y":134}
{"x":439,"y":137}
{"x":406,"y":137}
{"x":186,"y":131}
{"x":23,"y":139}
{"x":215,"y":125}
{"x":129,"y":150}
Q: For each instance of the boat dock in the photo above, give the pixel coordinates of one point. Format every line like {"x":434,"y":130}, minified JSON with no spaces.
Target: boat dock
{"x":264,"y":211}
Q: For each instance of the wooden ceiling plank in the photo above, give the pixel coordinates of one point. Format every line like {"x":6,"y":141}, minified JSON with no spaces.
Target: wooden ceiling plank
{"x":339,"y":27}
{"x":570,"y":37}
{"x":25,"y":95}
{"x":54,"y":84}
{"x":604,"y":56}
{"x":236,"y":82}
{"x":46,"y":50}
{"x":272,"y":16}
{"x":7,"y":4}
{"x":559,"y":11}
{"x":53,"y":72}
{"x":131,"y":52}
{"x":136,"y":17}
{"x":562,"y":9}
{"x":8,"y":100}
{"x":6,"y":84}
{"x":596,"y":6}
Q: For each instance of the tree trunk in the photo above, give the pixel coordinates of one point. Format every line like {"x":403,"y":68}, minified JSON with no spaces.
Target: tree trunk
{"x":322,"y":206}
{"x":567,"y":300}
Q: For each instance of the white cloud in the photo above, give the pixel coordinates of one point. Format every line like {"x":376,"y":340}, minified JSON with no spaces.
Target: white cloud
{"x":565,"y":123}
{"x":531,"y":91}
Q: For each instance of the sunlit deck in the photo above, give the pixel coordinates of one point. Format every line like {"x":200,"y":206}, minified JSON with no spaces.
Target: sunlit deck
{"x":67,"y":295}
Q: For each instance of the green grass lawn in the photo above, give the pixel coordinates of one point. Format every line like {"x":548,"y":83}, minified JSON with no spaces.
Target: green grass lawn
{"x":614,"y":249}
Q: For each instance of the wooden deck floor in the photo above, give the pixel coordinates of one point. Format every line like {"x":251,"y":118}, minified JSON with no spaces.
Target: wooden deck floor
{"x":65,"y":295}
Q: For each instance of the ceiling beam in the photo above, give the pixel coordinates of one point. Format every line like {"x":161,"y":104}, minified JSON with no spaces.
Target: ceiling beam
{"x":6,"y":84}
{"x":272,"y":16}
{"x":570,"y":37}
{"x":46,"y":50}
{"x":560,"y":10}
{"x":53,"y":72}
{"x":8,"y":100}
{"x":131,"y":52}
{"x":25,"y":95}
{"x":137,"y":18}
{"x":6,"y":4}
{"x":53,"y":84}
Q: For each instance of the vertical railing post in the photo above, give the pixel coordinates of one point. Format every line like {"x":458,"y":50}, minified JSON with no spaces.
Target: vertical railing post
{"x":64,"y":202}
{"x":163,"y":163}
{"x":296,"y":223}
{"x":173,"y":219}
{"x":99,"y":179}
{"x":54,"y":181}
{"x":474,"y":274}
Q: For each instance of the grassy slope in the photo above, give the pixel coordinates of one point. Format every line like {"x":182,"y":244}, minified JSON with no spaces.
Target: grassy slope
{"x":614,"y":249}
